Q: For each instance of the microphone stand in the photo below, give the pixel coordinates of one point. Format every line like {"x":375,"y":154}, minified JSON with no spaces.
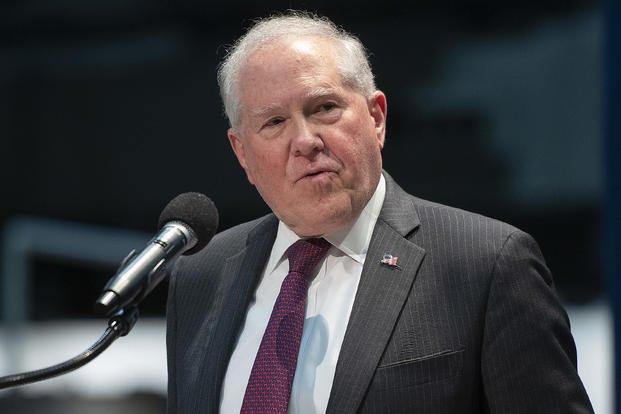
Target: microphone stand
{"x":120,"y":324}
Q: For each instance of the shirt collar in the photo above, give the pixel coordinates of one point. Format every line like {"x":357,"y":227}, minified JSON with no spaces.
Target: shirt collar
{"x":353,"y":240}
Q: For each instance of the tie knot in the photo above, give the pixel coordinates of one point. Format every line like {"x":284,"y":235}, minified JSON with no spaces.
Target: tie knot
{"x":305,"y":254}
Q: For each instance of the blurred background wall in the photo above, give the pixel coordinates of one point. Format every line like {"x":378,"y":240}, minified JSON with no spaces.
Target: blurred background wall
{"x":108,"y":109}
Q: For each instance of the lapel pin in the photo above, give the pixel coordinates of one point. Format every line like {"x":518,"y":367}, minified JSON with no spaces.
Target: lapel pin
{"x":390,"y":260}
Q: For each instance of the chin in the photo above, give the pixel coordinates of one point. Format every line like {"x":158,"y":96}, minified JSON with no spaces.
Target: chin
{"x":322,"y":222}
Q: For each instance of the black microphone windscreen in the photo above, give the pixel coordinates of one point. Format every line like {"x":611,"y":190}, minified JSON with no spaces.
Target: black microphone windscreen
{"x":197,"y":211}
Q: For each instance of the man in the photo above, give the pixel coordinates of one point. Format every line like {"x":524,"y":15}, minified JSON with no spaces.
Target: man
{"x":415,"y":307}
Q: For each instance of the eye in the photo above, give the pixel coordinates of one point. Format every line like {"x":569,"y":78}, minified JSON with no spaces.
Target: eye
{"x":274,"y":122}
{"x":327,"y":107}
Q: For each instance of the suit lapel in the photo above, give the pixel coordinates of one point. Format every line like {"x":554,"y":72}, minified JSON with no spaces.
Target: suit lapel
{"x":244,"y":269}
{"x":381,"y":295}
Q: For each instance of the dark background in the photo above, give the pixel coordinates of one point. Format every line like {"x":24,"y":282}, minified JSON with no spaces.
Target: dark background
{"x":108,"y":109}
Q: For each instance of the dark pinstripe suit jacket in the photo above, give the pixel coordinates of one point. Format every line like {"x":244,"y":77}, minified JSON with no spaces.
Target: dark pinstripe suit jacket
{"x":469,"y":323}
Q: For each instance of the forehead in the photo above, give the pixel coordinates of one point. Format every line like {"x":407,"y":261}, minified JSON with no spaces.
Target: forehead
{"x":294,"y":49}
{"x":287,"y":62}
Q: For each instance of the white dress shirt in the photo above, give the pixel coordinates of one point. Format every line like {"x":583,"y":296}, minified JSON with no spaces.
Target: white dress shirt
{"x":330,"y":299}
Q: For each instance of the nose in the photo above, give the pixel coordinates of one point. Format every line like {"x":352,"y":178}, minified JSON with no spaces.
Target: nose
{"x":307,"y":140}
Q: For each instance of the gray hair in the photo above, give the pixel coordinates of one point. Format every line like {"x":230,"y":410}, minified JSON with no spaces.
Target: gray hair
{"x":352,"y":59}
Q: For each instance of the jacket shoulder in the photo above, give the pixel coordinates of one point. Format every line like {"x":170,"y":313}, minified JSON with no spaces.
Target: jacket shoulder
{"x":468,"y":237}
{"x":224,"y":244}
{"x":455,"y":219}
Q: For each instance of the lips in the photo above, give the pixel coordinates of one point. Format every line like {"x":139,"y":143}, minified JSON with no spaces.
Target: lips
{"x":315,"y":171}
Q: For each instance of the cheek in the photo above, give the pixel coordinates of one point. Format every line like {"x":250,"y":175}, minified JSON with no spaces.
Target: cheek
{"x":361,"y":147}
{"x":266,"y":165}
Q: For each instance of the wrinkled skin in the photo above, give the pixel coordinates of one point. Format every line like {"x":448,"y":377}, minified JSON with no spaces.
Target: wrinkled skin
{"x":310,"y":144}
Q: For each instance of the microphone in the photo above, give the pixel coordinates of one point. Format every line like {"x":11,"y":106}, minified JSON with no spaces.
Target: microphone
{"x":186,"y":225}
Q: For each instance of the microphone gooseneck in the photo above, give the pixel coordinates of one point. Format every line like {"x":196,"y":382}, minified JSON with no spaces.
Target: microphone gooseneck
{"x":186,"y":225}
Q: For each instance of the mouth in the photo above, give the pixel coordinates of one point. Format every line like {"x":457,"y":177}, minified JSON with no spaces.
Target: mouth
{"x":316,"y":173}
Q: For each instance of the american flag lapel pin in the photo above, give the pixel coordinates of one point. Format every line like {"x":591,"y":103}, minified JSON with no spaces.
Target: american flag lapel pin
{"x":390,"y":260}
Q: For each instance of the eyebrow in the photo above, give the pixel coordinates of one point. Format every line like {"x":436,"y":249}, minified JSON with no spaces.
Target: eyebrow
{"x":265,"y":110}
{"x":321,"y":92}
{"x":318,"y":92}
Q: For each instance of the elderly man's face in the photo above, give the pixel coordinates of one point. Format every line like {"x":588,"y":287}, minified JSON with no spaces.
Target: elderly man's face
{"x":308,"y":143}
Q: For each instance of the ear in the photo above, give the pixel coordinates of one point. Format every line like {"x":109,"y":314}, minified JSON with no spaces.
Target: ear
{"x":378,"y":109}
{"x":238,"y":148}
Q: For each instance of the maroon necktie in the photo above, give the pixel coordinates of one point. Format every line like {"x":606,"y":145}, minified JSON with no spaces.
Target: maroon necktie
{"x":269,"y":386}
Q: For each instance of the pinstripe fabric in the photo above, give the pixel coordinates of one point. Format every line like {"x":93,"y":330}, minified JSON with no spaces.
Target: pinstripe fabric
{"x":208,"y":293}
{"x":469,"y":323}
